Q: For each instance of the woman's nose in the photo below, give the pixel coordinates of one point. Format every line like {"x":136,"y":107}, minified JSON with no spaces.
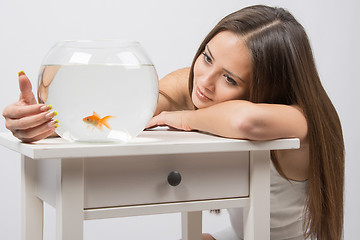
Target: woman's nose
{"x":209,"y":80}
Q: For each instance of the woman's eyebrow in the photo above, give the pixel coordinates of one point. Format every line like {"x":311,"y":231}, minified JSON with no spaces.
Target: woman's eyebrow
{"x":207,"y":47}
{"x":227,"y":71}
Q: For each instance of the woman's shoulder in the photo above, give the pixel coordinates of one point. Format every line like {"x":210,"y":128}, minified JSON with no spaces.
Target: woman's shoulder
{"x":174,"y":91}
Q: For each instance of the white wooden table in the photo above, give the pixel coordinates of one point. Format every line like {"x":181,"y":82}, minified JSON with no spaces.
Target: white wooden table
{"x":94,"y":181}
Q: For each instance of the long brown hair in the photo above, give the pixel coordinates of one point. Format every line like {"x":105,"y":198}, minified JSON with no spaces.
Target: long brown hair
{"x":284,"y":72}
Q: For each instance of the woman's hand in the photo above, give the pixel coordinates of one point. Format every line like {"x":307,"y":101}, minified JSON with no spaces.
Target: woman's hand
{"x":26,"y":119}
{"x":174,"y":119}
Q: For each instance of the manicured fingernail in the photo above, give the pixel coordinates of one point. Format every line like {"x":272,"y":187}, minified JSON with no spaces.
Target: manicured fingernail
{"x":54,"y":123}
{"x":46,"y":108}
{"x":21,"y":73}
{"x":50,"y":115}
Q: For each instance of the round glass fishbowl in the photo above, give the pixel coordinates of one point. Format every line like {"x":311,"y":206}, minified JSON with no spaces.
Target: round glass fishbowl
{"x":101,"y":90}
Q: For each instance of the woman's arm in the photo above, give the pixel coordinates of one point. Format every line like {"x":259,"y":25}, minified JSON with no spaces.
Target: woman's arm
{"x":240,"y":119}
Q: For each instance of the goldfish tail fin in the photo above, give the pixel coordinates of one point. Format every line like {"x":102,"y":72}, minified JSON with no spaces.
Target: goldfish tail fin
{"x":104,"y":121}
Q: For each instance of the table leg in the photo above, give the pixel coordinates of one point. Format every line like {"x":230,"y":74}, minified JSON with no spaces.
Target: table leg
{"x":70,"y":199}
{"x":257,"y":215}
{"x":191,"y":225}
{"x":32,"y":206}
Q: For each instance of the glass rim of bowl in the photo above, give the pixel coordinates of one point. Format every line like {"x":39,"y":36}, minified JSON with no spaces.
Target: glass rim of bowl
{"x":97,"y":43}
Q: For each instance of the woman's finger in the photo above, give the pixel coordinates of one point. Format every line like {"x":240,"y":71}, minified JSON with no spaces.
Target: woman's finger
{"x":26,"y":94}
{"x":156,"y":121}
{"x":18,"y":110}
{"x":28,"y":122}
{"x":34,"y":134}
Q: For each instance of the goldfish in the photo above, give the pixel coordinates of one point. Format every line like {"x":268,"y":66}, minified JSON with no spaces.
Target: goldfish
{"x":97,"y":121}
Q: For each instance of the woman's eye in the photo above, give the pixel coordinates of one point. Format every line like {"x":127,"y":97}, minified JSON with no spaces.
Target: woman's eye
{"x":207,"y":58}
{"x":230,"y":80}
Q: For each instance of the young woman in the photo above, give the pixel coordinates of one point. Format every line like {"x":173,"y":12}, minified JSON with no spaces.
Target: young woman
{"x":253,"y":77}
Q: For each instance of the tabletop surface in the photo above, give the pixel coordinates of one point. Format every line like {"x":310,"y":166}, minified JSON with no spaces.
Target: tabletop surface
{"x":157,"y":141}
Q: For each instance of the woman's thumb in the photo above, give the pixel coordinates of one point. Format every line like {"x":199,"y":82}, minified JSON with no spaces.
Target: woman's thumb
{"x":26,"y":93}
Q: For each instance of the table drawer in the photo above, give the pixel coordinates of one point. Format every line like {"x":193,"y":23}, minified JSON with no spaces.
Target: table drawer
{"x":122,"y":181}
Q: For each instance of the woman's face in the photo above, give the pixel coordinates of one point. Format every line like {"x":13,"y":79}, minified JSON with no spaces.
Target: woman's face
{"x":222,"y":72}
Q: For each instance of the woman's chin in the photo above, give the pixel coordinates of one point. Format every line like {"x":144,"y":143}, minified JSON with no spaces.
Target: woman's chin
{"x":199,"y":104}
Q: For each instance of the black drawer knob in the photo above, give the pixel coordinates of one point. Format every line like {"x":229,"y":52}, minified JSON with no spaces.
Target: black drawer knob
{"x":174,"y":178}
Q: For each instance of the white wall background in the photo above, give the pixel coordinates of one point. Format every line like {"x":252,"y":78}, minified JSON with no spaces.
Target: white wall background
{"x":170,"y":31}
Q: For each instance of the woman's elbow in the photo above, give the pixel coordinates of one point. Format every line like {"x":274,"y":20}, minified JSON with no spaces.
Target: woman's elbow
{"x":246,"y":128}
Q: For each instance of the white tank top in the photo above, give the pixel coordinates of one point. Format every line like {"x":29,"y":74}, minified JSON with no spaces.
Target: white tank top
{"x":287,"y":201}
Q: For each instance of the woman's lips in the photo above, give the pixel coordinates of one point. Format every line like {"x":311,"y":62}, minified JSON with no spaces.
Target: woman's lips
{"x":202,"y":96}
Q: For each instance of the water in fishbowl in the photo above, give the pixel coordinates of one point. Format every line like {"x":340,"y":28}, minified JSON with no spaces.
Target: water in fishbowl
{"x":100,"y":102}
